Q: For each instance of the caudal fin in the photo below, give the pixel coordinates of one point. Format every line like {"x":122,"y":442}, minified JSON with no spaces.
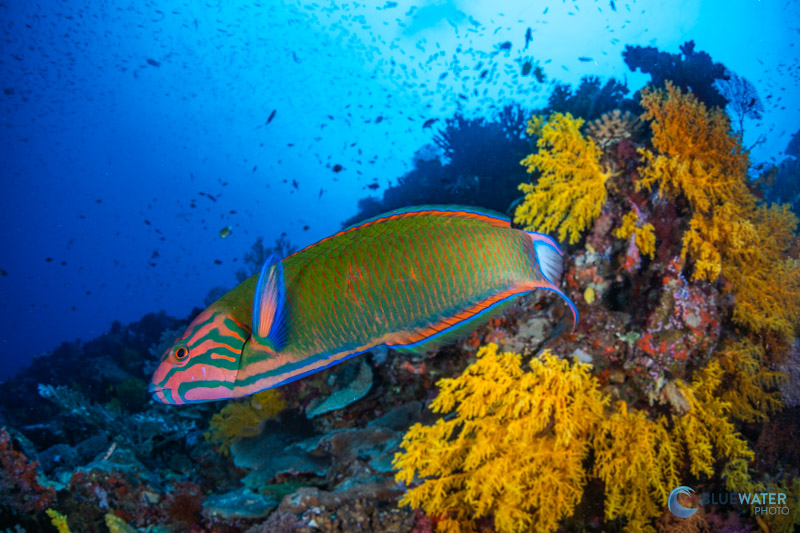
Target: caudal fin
{"x":550,"y":262}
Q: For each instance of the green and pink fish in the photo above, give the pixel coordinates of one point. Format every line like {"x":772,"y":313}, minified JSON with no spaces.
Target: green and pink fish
{"x":412,"y":279}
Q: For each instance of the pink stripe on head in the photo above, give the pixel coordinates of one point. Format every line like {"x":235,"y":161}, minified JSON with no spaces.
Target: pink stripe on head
{"x":202,"y":394}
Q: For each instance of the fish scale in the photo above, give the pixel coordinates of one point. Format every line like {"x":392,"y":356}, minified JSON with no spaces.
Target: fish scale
{"x":410,"y":280}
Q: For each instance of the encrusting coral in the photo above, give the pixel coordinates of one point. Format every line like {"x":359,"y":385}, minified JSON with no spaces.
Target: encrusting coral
{"x":571,"y":191}
{"x":514,"y":449}
{"x":243,"y":418}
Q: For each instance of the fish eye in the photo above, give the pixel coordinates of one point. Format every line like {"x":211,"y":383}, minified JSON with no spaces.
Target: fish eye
{"x":181,"y":353}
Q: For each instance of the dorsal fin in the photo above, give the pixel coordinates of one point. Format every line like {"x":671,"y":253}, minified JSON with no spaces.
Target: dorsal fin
{"x":485,"y":215}
{"x":466,"y":211}
{"x":269,"y":306}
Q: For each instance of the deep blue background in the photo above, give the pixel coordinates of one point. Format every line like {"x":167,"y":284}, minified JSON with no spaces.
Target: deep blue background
{"x":103,"y":153}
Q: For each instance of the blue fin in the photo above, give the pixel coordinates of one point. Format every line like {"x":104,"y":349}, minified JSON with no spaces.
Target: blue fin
{"x":269,"y":306}
{"x":549,"y":259}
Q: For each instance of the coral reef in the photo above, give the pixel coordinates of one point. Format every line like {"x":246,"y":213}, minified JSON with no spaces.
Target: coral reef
{"x":20,"y":486}
{"x":683,"y":369}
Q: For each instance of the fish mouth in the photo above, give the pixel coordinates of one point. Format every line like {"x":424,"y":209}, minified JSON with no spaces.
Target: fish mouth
{"x":161,"y":394}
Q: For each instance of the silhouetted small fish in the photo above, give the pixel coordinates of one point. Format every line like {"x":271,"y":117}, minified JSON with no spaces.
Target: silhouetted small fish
{"x":271,"y":116}
{"x":209,"y":196}
{"x":505,"y":46}
{"x":429,"y":123}
{"x":337,"y":167}
{"x":613,"y":5}
{"x":373,"y":186}
{"x":484,"y":73}
{"x":295,"y":184}
{"x":3,"y":272}
{"x":527,"y":66}
{"x":305,"y":228}
{"x":224,"y":232}
{"x":378,"y":120}
{"x":528,"y":37}
{"x":153,"y":62}
{"x":217,"y":262}
{"x":585,"y":59}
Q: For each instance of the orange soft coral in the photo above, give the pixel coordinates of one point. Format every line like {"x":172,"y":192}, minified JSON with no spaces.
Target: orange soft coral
{"x":695,"y":153}
{"x":571,"y":191}
{"x":514,"y":448}
{"x":729,"y":234}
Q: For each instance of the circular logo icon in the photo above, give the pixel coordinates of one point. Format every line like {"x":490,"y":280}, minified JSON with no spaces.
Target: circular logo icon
{"x":676,"y":508}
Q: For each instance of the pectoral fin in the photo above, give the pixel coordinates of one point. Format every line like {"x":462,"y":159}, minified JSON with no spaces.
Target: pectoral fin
{"x":269,"y":306}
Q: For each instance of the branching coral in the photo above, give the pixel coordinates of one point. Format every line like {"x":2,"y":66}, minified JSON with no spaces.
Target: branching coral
{"x":243,"y":418}
{"x":514,"y":448}
{"x":613,"y":127}
{"x":571,"y":191}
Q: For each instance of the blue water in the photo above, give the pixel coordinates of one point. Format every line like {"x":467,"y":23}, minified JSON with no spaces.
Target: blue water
{"x":117,"y":116}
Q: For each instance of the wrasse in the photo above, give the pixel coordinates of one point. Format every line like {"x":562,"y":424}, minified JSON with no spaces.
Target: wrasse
{"x":412,"y":280}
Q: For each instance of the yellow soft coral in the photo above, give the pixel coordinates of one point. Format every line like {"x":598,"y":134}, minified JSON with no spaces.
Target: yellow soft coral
{"x":243,"y":418}
{"x":752,"y":392}
{"x":766,"y":281}
{"x":116,"y":524}
{"x":708,"y":434}
{"x":514,"y":448}
{"x":571,"y":191}
{"x":638,"y":460}
{"x":58,"y":520}
{"x":516,"y":445}
{"x":645,"y":234}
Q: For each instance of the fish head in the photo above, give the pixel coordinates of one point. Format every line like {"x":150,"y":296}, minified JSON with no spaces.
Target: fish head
{"x":202,"y":363}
